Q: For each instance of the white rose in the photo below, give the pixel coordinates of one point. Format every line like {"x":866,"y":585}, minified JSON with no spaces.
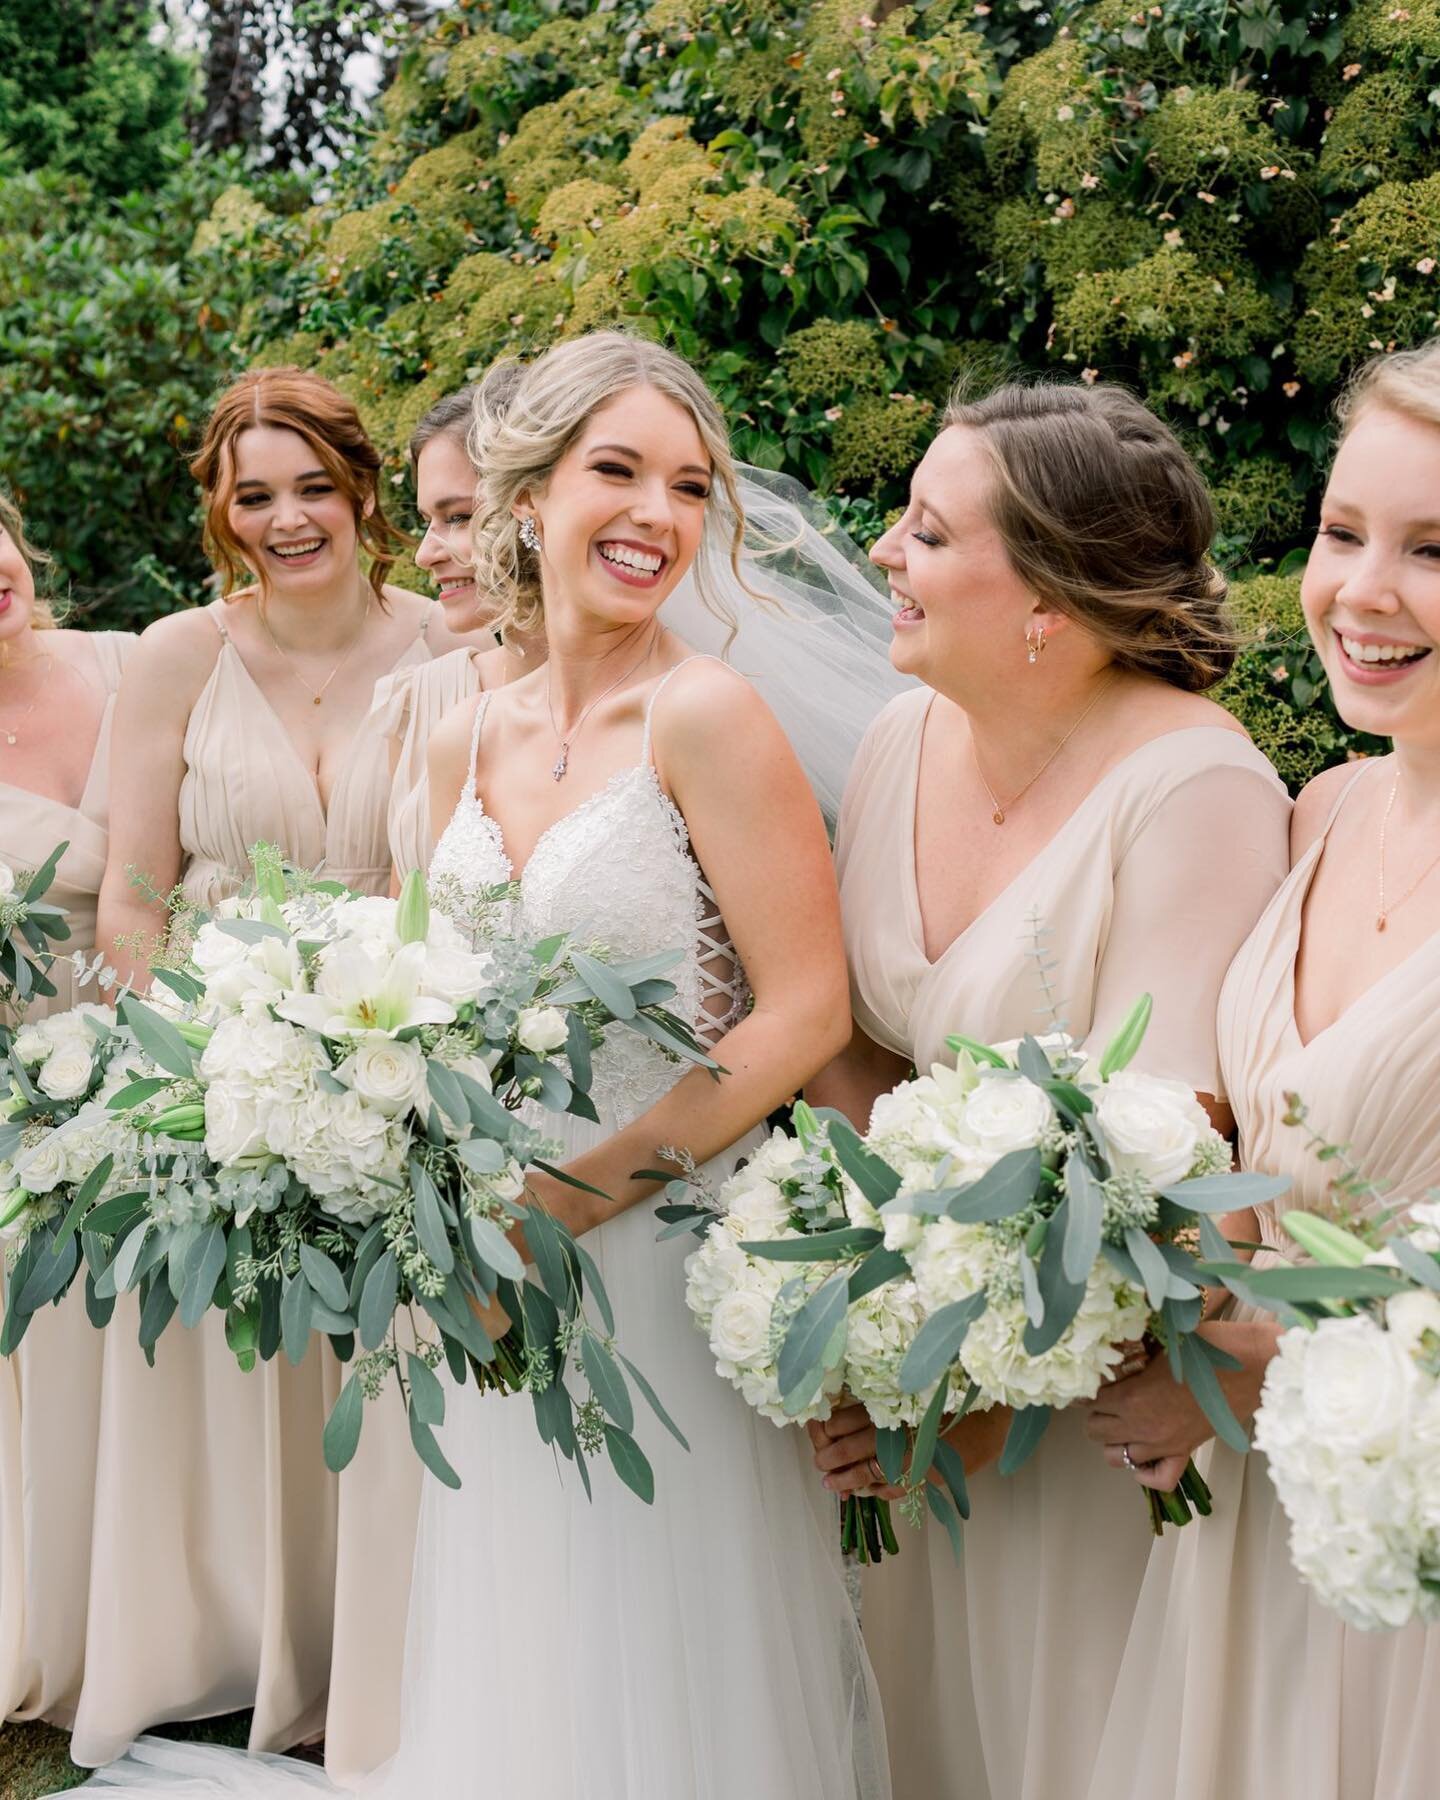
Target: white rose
{"x":711,"y":1272}
{"x":1357,"y":1385}
{"x":542,"y":1029}
{"x":8,"y":889}
{"x":1409,"y":1316}
{"x":757,"y":1213}
{"x":740,"y":1327}
{"x":1003,"y":1114}
{"x":456,"y":974}
{"x":388,"y":1073}
{"x":1152,"y":1127}
{"x":214,"y":950}
{"x":32,"y":1044}
{"x":41,"y":1166}
{"x":68,"y":1068}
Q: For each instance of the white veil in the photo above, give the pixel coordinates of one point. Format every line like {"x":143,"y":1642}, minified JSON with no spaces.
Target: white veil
{"x":819,"y":656}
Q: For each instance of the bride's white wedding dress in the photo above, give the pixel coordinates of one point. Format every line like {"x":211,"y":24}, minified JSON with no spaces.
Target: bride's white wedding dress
{"x":559,"y":1648}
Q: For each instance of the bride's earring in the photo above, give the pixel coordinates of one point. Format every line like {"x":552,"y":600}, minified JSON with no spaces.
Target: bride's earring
{"x":1034,"y":643}
{"x":529,"y":536}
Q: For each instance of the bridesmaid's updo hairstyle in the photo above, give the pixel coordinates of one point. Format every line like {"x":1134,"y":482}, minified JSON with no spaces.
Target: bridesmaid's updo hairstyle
{"x":288,"y":399}
{"x":42,"y":619}
{"x":1107,"y":520}
{"x":517,"y":438}
{"x":1405,"y":382}
{"x":453,"y":416}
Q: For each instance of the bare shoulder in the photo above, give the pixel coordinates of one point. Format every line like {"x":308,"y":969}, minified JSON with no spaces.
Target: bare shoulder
{"x":451,"y":736}
{"x":411,"y":608}
{"x":1314,"y":805}
{"x":1172,"y":709}
{"x":704,"y":703}
{"x":175,"y":654}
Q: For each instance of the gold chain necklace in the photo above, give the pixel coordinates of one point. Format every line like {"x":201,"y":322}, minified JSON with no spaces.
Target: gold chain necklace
{"x":316,"y":694}
{"x":11,"y":735}
{"x":1382,"y":912}
{"x":998,"y":815}
{"x":561,"y":766}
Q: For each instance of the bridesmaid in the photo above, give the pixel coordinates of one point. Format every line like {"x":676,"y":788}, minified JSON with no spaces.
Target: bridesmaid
{"x":410,"y":703}
{"x":1236,"y":1681}
{"x":1058,"y":779}
{"x":231,"y":1569}
{"x":54,"y":788}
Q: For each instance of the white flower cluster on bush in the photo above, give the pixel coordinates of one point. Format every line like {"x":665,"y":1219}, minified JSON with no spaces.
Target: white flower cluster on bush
{"x":1349,"y":1422}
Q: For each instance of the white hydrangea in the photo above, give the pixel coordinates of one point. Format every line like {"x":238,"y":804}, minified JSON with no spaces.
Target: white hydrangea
{"x":1349,"y":1424}
{"x":994,"y":1355}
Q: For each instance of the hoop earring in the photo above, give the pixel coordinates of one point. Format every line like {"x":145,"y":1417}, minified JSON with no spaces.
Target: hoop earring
{"x":1035,"y":643}
{"x":529,"y":536}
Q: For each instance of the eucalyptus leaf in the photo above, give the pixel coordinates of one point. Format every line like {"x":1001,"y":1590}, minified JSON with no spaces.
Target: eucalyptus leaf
{"x":952,"y":1469}
{"x":938,"y":1342}
{"x":606,"y":1381}
{"x":1003,"y":1190}
{"x":891,"y":1444}
{"x":378,"y":1300}
{"x":942,"y":1510}
{"x":1026,"y":1430}
{"x":51,"y":1273}
{"x":1085,"y":1218}
{"x":342,"y":1428}
{"x":879,"y":1267}
{"x":157,"y":1037}
{"x":429,"y":1451}
{"x":1201,"y":1379}
{"x":496,"y":1249}
{"x":630,"y":1463}
{"x":810,"y":1339}
{"x":1415,"y":1262}
{"x":594,"y":1284}
{"x":324,"y":1277}
{"x":429,"y":1223}
{"x":156,"y":1312}
{"x":608,"y":988}
{"x":819,"y":1246}
{"x":876,"y":1180}
{"x":1227,"y":1193}
{"x":1152,"y":1266}
{"x":203,"y":1269}
{"x":652,"y":1399}
{"x":927,"y":1435}
{"x":427,"y":1394}
{"x":295,"y":1318}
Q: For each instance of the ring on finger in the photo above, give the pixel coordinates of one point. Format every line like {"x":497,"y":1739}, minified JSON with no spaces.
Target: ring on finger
{"x":874,"y":1467}
{"x":1127,"y":1458}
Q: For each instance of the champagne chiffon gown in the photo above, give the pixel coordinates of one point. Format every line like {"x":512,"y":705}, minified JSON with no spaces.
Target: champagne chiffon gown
{"x":1236,"y":1680}
{"x":996,"y":1672}
{"x":50,"y":1389}
{"x":231,"y":1569}
{"x":408,"y":706}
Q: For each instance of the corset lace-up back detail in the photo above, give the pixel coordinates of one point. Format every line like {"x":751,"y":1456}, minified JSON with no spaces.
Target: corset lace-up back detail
{"x":617,"y":873}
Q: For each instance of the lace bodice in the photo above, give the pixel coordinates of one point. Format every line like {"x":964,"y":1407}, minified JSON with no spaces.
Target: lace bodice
{"x":617,"y":872}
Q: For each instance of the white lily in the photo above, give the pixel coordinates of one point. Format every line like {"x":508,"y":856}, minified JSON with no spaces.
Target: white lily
{"x":361,"y":991}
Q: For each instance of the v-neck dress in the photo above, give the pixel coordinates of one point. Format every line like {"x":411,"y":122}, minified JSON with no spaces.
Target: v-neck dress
{"x":997,"y":1672}
{"x":408,"y":706}
{"x":1237,"y":1681}
{"x":50,"y":1389}
{"x":231,"y":1568}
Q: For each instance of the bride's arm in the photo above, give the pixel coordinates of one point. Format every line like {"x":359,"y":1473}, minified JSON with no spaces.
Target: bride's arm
{"x":757,"y":834}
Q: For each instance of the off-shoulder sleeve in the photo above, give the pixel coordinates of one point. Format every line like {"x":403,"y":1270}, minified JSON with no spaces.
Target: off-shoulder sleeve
{"x":1192,"y":882}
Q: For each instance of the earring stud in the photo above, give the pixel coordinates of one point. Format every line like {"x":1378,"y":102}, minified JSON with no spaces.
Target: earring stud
{"x":529,"y":536}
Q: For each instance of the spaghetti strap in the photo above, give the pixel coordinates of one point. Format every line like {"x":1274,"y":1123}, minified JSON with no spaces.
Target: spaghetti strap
{"x":699,"y":656}
{"x":424,"y":631}
{"x":481,"y":707}
{"x":216,"y":610}
{"x":1344,"y":795}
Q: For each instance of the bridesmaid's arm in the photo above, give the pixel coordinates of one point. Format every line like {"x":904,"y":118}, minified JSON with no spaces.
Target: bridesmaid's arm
{"x":855,"y":1080}
{"x":163,"y":678}
{"x":757,"y":833}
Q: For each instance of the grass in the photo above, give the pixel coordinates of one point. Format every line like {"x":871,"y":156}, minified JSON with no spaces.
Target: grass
{"x":35,"y":1759}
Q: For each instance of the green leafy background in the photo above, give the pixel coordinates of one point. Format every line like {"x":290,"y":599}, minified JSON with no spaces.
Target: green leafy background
{"x":834,"y":213}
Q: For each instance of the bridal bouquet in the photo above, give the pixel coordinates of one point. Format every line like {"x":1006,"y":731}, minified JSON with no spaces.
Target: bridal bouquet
{"x":1349,"y":1417}
{"x":29,"y":924}
{"x":761,"y":1265}
{"x":315,"y":1125}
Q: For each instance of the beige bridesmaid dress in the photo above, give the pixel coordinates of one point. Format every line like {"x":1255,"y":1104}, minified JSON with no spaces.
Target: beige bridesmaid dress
{"x":408,"y":706}
{"x":1236,"y":1681}
{"x":50,"y":1389}
{"x":997,"y":1672}
{"x":231,"y":1568}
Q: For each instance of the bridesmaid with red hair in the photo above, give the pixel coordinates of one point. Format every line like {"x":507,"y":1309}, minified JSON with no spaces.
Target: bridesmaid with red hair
{"x":231,"y":1569}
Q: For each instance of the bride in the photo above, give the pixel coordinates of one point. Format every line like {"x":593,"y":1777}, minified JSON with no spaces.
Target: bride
{"x":641,"y":796}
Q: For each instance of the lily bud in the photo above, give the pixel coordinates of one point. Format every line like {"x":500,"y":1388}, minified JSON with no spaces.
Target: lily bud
{"x":412,"y":915}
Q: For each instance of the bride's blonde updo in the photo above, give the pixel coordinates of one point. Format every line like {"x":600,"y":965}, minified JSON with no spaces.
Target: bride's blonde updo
{"x":1107,"y":520}
{"x":1405,"y":382}
{"x":516,"y":446}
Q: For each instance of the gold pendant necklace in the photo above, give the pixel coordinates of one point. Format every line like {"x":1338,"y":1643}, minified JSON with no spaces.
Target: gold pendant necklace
{"x":997,"y":816}
{"x":10,"y":734}
{"x":316,"y":694}
{"x":1383,"y":911}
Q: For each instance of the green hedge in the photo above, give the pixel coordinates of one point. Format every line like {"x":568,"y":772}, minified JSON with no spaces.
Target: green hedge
{"x":834,"y":213}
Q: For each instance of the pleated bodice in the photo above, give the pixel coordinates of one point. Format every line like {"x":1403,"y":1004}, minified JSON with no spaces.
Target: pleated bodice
{"x":245,"y":783}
